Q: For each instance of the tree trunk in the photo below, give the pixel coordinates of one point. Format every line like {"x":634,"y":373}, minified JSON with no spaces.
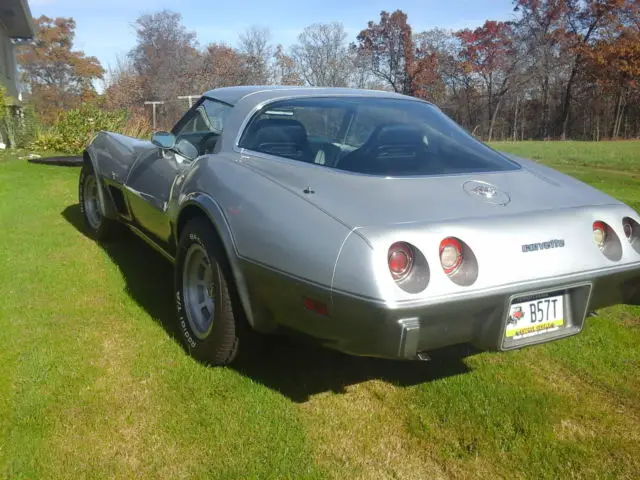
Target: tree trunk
{"x":574,"y":70}
{"x":493,"y":118}
{"x":566,"y":104}
{"x":616,"y":117}
{"x":544,"y":131}
{"x":515,"y":121}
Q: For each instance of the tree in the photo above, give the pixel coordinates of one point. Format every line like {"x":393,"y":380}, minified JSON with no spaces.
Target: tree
{"x":578,"y":24}
{"x":166,"y":55}
{"x":124,"y":87}
{"x":57,"y":76}
{"x":488,"y":52}
{"x":257,"y":52}
{"x":614,"y":64}
{"x":394,"y":58}
{"x":224,"y":67}
{"x":285,"y":69}
{"x":538,"y":27}
{"x":431,"y":56}
{"x":322,"y":55}
{"x":389,"y":47}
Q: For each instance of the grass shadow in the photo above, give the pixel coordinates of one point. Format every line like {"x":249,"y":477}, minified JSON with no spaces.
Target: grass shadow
{"x":291,"y":365}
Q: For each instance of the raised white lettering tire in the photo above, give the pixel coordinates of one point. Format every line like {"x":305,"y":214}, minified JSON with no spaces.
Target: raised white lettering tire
{"x":210,"y":320}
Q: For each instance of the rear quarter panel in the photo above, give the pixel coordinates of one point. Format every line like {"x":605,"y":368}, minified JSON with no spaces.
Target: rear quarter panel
{"x":271,"y":225}
{"x":275,"y":236}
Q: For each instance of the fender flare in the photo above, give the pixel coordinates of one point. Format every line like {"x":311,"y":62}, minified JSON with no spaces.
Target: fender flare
{"x":212,"y":210}
{"x":107,"y":207}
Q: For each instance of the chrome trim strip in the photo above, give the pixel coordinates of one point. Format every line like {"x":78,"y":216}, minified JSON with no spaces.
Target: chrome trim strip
{"x":151,"y":243}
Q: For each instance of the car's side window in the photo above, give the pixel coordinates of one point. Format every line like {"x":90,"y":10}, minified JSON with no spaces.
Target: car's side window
{"x":300,"y":130}
{"x":198,"y":134}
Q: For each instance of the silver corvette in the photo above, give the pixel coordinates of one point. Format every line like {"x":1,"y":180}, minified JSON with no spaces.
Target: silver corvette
{"x":367,"y":220}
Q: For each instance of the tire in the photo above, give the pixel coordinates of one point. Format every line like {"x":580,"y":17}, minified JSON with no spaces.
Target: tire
{"x":100,"y":227}
{"x":209,"y":316}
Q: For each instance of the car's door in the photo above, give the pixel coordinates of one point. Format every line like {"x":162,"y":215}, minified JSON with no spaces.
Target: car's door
{"x":154,"y":174}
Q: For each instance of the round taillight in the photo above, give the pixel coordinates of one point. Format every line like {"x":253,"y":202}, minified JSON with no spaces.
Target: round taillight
{"x":627,"y":227}
{"x":400,"y":260}
{"x":600,"y":234}
{"x":450,"y":255}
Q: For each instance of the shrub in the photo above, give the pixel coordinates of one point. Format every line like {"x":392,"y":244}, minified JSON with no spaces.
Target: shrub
{"x":75,"y":128}
{"x":23,"y":126}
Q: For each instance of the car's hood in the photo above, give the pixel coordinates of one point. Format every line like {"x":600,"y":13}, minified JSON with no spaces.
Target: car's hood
{"x":366,"y":201}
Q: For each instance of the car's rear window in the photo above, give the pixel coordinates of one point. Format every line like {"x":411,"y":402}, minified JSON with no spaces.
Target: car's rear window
{"x":376,"y":136}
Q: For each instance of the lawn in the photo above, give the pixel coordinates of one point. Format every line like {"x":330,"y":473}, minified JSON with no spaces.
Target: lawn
{"x":94,"y":385}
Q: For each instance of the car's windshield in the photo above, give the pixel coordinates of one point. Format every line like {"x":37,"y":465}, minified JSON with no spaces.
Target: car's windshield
{"x":377,"y":136}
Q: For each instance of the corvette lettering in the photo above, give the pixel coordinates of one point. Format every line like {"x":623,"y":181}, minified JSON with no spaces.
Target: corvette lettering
{"x":534,"y":247}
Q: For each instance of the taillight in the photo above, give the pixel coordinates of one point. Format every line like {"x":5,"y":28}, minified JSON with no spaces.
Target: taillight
{"x":600,"y":234}
{"x":450,"y":255}
{"x":627,"y":227}
{"x":400,"y":260}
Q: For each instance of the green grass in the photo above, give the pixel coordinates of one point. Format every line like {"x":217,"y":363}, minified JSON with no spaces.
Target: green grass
{"x":94,"y":385}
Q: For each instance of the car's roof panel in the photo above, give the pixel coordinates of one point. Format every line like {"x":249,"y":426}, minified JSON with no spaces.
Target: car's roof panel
{"x":233,"y":95}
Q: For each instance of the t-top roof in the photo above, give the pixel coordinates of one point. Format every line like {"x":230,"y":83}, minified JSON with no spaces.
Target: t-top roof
{"x":233,"y":95}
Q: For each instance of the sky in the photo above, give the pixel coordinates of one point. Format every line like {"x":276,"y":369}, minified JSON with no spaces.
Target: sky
{"x":104,"y":28}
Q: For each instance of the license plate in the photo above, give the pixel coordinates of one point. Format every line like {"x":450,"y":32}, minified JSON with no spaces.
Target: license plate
{"x":535,"y":316}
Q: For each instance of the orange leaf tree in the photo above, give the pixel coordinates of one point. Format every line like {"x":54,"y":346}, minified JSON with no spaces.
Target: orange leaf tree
{"x":57,"y":76}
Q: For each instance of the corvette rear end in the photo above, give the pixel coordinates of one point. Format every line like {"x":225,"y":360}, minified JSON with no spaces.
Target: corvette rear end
{"x":501,"y":260}
{"x":499,"y":284}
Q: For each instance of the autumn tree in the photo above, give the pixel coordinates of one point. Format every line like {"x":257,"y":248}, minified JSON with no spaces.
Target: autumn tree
{"x":322,"y":56}
{"x":388,"y":46}
{"x":393,"y":56}
{"x":285,"y":69}
{"x":124,"y":87}
{"x":222,"y":66}
{"x":614,"y":64}
{"x":488,"y":51}
{"x":57,"y":76}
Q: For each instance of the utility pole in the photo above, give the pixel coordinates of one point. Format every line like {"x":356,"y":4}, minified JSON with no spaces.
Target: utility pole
{"x":154,"y":111}
{"x":190,"y":98}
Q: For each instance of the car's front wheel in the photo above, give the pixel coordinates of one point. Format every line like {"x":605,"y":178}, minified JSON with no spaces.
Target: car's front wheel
{"x":100,"y":227}
{"x":209,"y":320}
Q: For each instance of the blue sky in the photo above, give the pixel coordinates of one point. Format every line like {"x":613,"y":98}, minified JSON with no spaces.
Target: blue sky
{"x":104,"y":27}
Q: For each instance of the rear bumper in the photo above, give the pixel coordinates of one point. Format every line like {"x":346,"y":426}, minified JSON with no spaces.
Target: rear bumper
{"x":369,"y":328}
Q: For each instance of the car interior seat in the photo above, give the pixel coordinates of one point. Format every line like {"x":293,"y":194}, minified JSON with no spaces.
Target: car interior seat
{"x":390,"y":148}
{"x":283,"y":137}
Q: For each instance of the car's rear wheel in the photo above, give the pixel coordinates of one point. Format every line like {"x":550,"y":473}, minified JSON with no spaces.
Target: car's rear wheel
{"x":210,"y":320}
{"x":100,"y":227}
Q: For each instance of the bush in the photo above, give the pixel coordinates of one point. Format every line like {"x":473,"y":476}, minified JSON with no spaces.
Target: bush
{"x":22,"y":125}
{"x":75,"y":128}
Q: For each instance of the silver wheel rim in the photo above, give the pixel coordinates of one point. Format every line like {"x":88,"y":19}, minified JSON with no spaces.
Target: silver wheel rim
{"x":91,"y":201}
{"x":198,"y":291}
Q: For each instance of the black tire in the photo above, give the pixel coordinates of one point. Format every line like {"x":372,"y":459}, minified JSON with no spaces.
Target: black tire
{"x":219,"y":343}
{"x":100,"y":227}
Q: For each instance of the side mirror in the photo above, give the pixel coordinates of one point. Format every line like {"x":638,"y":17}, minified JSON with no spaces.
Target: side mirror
{"x":164,"y":140}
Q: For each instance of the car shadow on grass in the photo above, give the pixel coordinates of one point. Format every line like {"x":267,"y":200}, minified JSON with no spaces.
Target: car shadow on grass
{"x":293,"y":366}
